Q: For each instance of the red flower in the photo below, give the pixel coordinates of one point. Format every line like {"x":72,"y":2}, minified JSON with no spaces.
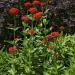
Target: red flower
{"x":42,"y":3}
{"x":12,"y":49}
{"x":38,"y":15}
{"x":44,"y":41}
{"x":33,"y":10}
{"x":36,"y":2}
{"x":55,"y":34}
{"x":27,"y":4}
{"x":49,"y":36}
{"x":25,"y":18}
{"x":51,"y":47}
{"x":31,"y":31}
{"x":13,"y":11}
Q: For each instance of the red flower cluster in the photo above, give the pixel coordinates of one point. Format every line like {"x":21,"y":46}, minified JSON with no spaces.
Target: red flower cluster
{"x":53,"y":34}
{"x":14,"y":11}
{"x":38,"y":15}
{"x":44,"y":41}
{"x":12,"y":49}
{"x":27,"y":5}
{"x":25,"y":18}
{"x":38,"y":3}
{"x":33,"y":10}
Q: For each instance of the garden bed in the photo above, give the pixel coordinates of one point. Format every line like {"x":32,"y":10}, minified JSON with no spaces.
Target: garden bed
{"x":37,"y":37}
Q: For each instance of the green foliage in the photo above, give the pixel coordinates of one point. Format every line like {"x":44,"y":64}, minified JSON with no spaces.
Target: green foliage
{"x":40,"y":60}
{"x":34,"y":53}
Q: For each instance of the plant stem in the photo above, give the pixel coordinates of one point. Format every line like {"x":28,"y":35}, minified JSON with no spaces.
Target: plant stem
{"x":14,"y":29}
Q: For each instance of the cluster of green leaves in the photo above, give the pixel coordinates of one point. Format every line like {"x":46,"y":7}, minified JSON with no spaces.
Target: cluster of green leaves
{"x":37,"y":59}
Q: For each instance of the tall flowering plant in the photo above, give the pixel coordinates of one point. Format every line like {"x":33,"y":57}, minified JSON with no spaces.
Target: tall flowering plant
{"x":34,"y":49}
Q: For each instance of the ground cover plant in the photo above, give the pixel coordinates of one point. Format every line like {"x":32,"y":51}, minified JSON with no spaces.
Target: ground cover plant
{"x":43,"y":59}
{"x":35,"y":42}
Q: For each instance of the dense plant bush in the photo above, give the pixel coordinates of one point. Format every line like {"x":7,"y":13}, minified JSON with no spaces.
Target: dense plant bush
{"x":34,"y":41}
{"x":41,"y":59}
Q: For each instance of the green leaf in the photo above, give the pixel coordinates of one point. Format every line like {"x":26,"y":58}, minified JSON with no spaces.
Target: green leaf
{"x":13,"y":28}
{"x":46,"y":11}
{"x":45,"y":73}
